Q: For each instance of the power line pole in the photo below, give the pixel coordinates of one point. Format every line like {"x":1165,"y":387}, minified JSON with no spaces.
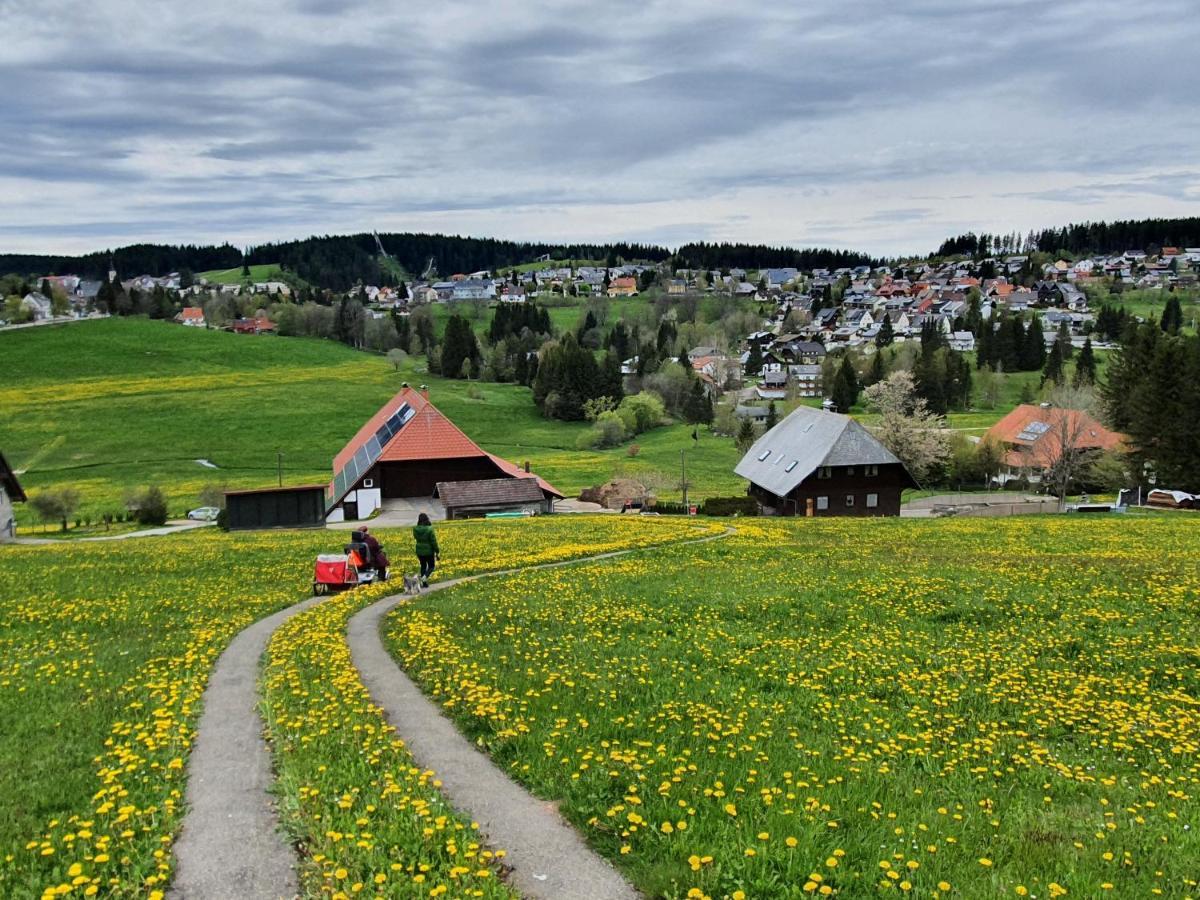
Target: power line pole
{"x":279,"y":465}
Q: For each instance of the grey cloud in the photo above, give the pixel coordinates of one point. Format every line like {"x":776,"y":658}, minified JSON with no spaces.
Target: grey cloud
{"x":461,"y":110}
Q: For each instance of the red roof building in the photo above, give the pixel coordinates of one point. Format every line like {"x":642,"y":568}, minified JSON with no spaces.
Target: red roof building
{"x":1032,"y":438}
{"x":405,"y":450}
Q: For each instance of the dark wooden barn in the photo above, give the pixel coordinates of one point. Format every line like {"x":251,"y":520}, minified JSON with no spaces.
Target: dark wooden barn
{"x":284,"y":507}
{"x":471,"y":499}
{"x":818,"y":463}
{"x":406,"y":450}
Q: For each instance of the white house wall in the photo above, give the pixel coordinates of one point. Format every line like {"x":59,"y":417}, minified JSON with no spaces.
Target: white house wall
{"x":7,"y":522}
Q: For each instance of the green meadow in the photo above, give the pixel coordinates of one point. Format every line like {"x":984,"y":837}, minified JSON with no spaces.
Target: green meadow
{"x":111,"y":405}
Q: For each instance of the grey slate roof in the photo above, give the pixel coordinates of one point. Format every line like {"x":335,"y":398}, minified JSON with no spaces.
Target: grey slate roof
{"x":810,"y":438}
{"x":489,"y":492}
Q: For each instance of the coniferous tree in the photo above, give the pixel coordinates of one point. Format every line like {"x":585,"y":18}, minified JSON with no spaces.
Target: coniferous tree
{"x":699,"y":409}
{"x":755,"y":362}
{"x":1064,"y":338}
{"x":1054,"y":365}
{"x":886,"y":335}
{"x":845,"y":386}
{"x":1085,"y":366}
{"x":878,"y":370}
{"x":772,"y":416}
{"x":460,"y":349}
{"x":745,"y":435}
{"x":985,"y":346}
{"x":1172,"y":317}
{"x":1033,"y":350}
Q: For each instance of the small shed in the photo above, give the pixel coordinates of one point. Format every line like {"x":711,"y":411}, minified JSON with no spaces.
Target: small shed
{"x":10,"y":493}
{"x":469,"y":499}
{"x":283,"y":507}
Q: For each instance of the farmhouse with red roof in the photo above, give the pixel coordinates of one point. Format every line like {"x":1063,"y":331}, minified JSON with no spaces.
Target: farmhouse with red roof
{"x":1032,"y":437}
{"x":405,"y":450}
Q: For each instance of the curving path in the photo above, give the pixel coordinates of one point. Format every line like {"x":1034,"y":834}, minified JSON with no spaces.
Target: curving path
{"x":547,"y":856}
{"x":231,"y":846}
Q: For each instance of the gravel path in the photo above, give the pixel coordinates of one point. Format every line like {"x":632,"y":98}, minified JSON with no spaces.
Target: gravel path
{"x":230,"y":845}
{"x":548,"y":857}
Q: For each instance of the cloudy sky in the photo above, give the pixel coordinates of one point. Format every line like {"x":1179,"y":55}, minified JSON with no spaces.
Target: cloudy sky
{"x":884,"y":125}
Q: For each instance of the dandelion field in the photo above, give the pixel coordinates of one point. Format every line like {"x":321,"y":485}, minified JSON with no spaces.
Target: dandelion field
{"x":105,"y":651}
{"x":955,"y":708}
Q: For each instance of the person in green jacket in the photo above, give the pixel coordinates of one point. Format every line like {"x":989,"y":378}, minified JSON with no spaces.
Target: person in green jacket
{"x":427,"y":547}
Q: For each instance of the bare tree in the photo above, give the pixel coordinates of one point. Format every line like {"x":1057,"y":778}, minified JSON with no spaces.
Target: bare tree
{"x":907,"y":427}
{"x":1065,"y":455}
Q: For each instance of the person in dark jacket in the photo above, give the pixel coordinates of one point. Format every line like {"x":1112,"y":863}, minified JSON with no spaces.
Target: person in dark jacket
{"x":427,"y":547}
{"x":378,"y":556}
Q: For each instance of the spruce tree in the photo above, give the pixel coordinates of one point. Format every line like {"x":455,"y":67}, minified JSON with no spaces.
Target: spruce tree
{"x":845,"y":386}
{"x":1172,"y":317}
{"x":878,"y":370}
{"x":699,"y":405}
{"x":1054,"y":365}
{"x":772,"y":416}
{"x":1064,"y":338}
{"x":1085,"y":366}
{"x":754,"y":362}
{"x":886,"y":335}
{"x":1033,"y":350}
{"x":745,"y":435}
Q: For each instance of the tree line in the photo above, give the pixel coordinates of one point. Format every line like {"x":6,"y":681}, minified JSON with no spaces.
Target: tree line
{"x":703,"y":255}
{"x":1149,"y":235}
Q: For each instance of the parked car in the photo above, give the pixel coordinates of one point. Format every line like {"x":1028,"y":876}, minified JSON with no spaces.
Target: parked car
{"x":205,"y":514}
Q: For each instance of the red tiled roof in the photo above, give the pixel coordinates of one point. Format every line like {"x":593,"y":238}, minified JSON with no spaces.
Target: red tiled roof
{"x":428,"y":435}
{"x":1043,"y":450}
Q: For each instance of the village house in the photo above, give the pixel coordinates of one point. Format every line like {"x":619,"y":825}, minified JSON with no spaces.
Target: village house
{"x":818,"y":463}
{"x":1032,"y":437}
{"x":10,"y":493}
{"x":473,"y":289}
{"x":38,"y":305}
{"x":807,"y":379}
{"x":192,"y":316}
{"x":409,"y":449}
{"x":623,"y":287}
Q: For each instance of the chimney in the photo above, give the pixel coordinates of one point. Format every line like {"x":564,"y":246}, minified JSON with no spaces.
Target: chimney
{"x":425,"y":391}
{"x":1045,"y":404}
{"x":526,"y":465}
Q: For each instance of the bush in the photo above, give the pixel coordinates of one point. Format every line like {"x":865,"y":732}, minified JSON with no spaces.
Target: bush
{"x":729,"y":506}
{"x":607,"y":431}
{"x":148,"y":506}
{"x":641,"y":412}
{"x":633,"y":450}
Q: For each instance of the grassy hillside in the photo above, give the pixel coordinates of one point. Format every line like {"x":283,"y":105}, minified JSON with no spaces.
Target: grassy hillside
{"x":262,"y":272}
{"x":1003,"y":708}
{"x":110,"y":405}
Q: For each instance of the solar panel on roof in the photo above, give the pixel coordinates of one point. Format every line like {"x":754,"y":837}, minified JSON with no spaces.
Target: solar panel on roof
{"x":368,"y":454}
{"x":1033,"y":431}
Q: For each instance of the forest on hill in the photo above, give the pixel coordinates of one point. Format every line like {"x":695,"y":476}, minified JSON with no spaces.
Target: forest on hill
{"x":338,"y":262}
{"x":1149,"y":235}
